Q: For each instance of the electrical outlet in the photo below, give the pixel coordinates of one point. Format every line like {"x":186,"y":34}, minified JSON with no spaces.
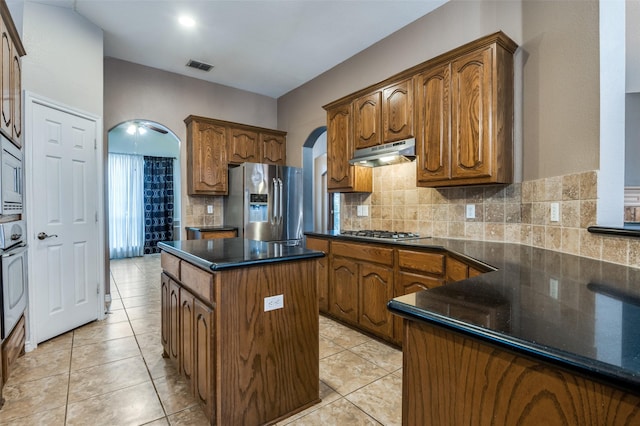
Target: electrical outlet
{"x":555,"y":212}
{"x":362,"y":210}
{"x":210,"y":209}
{"x":273,"y":302}
{"x":471,"y":211}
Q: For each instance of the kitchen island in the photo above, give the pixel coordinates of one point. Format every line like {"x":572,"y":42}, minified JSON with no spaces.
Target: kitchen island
{"x":240,"y":323}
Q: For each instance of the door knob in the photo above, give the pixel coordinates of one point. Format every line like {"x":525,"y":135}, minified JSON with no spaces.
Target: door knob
{"x":43,"y":235}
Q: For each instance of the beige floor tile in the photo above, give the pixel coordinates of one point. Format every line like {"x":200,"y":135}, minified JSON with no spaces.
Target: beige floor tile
{"x":98,"y":380}
{"x":192,"y":416}
{"x":328,"y":348}
{"x":132,"y":302}
{"x":342,"y":335}
{"x":116,"y":305}
{"x":147,"y":311}
{"x":157,"y":365}
{"x":53,"y":417}
{"x":134,"y":405}
{"x":340,"y":412}
{"x":26,"y":398}
{"x":146,"y":325}
{"x":380,"y":354}
{"x":175,"y":393}
{"x":145,"y":290}
{"x":381,"y":400}
{"x":346,"y":372}
{"x":62,"y":342}
{"x":119,"y":315}
{"x":104,"y":352}
{"x":36,"y":365}
{"x":128,"y":276}
{"x":99,"y":331}
{"x":160,"y":422}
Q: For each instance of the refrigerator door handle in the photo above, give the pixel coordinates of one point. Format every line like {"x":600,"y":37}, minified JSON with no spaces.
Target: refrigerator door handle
{"x":274,"y":214}
{"x":280,"y":200}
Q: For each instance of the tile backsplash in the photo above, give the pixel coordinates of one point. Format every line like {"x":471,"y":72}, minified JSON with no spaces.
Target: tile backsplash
{"x":516,"y":213}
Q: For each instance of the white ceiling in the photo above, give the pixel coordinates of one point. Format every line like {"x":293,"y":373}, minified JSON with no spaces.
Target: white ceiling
{"x":264,"y":46}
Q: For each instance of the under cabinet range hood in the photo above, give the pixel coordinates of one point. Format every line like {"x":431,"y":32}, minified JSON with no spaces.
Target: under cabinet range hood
{"x":384,"y":155}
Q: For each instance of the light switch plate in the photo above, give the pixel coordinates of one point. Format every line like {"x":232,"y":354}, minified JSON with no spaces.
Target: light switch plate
{"x":555,"y":212}
{"x":471,"y":211}
{"x":209,"y":209}
{"x":362,"y":210}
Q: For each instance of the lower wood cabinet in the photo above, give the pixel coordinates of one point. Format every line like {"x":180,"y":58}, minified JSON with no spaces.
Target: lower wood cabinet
{"x":344,"y":290}
{"x":322,"y":271}
{"x":376,"y":289}
{"x":187,"y":342}
{"x":204,"y":356}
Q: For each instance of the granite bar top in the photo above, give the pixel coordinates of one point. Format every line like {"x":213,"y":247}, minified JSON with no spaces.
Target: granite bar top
{"x":226,"y":253}
{"x":579,"y":313}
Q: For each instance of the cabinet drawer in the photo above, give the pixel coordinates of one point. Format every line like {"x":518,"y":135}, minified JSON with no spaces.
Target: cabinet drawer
{"x":198,"y":281}
{"x":317,"y":244}
{"x":370,"y":253}
{"x":170,"y":264}
{"x":456,"y":270}
{"x":431,"y":263}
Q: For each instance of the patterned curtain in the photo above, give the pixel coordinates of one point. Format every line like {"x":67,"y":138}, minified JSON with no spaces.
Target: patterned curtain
{"x":158,"y":202}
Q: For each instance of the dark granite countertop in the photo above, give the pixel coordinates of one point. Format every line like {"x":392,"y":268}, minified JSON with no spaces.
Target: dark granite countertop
{"x":227,"y":253}
{"x":579,"y":313}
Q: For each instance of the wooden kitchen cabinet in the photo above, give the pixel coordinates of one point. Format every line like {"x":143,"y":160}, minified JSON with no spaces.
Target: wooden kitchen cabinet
{"x":11,"y":50}
{"x":213,"y":145}
{"x":342,"y":176}
{"x":165,"y":325}
{"x":207,"y":172}
{"x":322,"y":271}
{"x":464,"y":115}
{"x":195,"y":233}
{"x":397,"y":111}
{"x":274,"y":148}
{"x":186,"y":324}
{"x":360,"y":286}
{"x":367,"y":119}
{"x":244,"y":146}
{"x":204,"y":357}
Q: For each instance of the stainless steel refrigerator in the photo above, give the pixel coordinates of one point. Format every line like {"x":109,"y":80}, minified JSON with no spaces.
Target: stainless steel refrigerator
{"x":265,"y":202}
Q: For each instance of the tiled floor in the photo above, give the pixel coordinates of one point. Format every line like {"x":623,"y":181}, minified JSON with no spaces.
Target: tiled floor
{"x":112,"y":372}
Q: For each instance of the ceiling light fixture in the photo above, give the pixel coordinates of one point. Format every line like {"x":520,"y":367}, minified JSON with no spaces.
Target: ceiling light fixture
{"x":187,"y":21}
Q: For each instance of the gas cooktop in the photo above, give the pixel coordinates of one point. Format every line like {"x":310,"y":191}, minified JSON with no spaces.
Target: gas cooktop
{"x":385,"y":235}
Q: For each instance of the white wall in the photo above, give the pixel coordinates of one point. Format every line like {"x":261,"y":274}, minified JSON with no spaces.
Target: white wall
{"x":632,"y":140}
{"x":64,"y":57}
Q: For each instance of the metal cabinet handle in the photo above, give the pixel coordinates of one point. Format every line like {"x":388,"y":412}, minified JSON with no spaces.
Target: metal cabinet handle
{"x":43,"y":235}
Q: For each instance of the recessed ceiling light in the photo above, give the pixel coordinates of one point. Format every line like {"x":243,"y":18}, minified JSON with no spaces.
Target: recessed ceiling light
{"x":187,"y":21}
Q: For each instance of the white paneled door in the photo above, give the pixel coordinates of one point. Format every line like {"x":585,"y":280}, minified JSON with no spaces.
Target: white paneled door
{"x":64,"y":220}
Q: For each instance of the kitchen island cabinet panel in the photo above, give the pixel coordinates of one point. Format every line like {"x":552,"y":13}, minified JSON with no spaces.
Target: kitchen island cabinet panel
{"x":449,"y":378}
{"x":236,"y":354}
{"x":165,"y":325}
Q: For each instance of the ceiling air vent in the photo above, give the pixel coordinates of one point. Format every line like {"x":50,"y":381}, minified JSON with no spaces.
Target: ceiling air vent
{"x":199,"y":65}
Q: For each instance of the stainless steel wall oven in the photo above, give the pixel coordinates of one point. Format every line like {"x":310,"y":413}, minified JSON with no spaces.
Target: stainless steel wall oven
{"x":13,"y":252}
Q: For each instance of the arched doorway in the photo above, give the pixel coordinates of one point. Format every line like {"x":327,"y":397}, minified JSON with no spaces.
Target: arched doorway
{"x":143,"y":187}
{"x":322,"y":209}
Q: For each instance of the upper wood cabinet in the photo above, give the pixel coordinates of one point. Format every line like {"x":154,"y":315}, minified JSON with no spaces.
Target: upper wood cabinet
{"x":244,"y":146}
{"x":397,"y":111}
{"x":464,"y":115}
{"x":11,"y":50}
{"x":342,"y":176}
{"x":274,"y":148}
{"x":212,"y":145}
{"x":367,"y":113}
{"x":206,"y":158}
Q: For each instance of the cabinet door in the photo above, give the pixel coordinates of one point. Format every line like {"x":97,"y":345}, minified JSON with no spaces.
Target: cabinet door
{"x":174,"y":321}
{"x":274,"y":149}
{"x":165,"y":322}
{"x":7,"y":60}
{"x":339,"y":148}
{"x":471,"y":115}
{"x":367,"y":118}
{"x":343,"y":292}
{"x":204,"y":358}
{"x":243,"y":146}
{"x":16,"y":99}
{"x":456,"y":270}
{"x":186,"y":335}
{"x":410,"y":283}
{"x":397,"y":111}
{"x":207,"y":159}
{"x":376,"y":289}
{"x":432,"y":122}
